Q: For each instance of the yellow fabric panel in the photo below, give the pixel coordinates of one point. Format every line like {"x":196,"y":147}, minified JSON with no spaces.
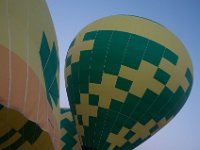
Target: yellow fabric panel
{"x":177,"y":74}
{"x":117,"y":140}
{"x":69,"y":116}
{"x":80,"y":45}
{"x":43,"y":142}
{"x":26,"y":146}
{"x":79,"y":128}
{"x":3,"y":128}
{"x":105,"y":95}
{"x":76,"y":147}
{"x":4,"y":24}
{"x":145,"y":75}
{"x":14,"y":120}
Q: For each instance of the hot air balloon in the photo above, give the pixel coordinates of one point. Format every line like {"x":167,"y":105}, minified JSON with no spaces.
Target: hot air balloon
{"x":126,"y":77}
{"x":69,"y":136}
{"x":29,"y":97}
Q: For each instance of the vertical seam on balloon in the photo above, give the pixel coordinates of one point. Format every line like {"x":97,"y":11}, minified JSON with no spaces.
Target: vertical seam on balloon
{"x":27,"y":59}
{"x":92,"y":133}
{"x":47,"y":117}
{"x":9,"y":61}
{"x":52,"y":83}
{"x":123,"y":104}
{"x":106,"y":55}
{"x":39,"y":100}
{"x":106,"y":116}
{"x":155,"y":100}
{"x":123,"y":56}
{"x":129,"y":116}
{"x":9,"y":56}
{"x":163,"y":107}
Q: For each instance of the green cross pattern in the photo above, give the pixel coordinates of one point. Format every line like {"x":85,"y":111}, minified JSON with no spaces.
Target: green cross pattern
{"x":49,"y":60}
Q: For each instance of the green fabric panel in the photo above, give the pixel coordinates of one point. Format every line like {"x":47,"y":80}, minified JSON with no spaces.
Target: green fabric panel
{"x":158,"y":105}
{"x":115,"y":50}
{"x":177,"y":101}
{"x":129,"y":135}
{"x":84,"y":70}
{"x":88,"y":133}
{"x":189,"y":77}
{"x":153,"y":129}
{"x":64,"y":110}
{"x":135,"y":50}
{"x":75,"y":83}
{"x":69,"y":126}
{"x":170,"y":56}
{"x":123,"y":84}
{"x":68,"y":61}
{"x":143,"y":105}
{"x":119,"y":123}
{"x":154,"y":53}
{"x":69,"y":140}
{"x":115,"y":105}
{"x":125,"y":146}
{"x":50,"y":65}
{"x":105,"y":146}
{"x":130,"y":103}
{"x":92,"y":130}
{"x":44,"y":50}
{"x":99,"y":54}
{"x":90,"y":35}
{"x":162,"y":76}
{"x":93,"y":99}
{"x":80,"y":120}
{"x":170,"y":103}
{"x":129,"y":123}
{"x":30,"y":132}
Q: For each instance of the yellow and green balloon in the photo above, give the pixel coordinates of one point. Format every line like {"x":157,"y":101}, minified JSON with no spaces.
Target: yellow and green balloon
{"x":126,"y":77}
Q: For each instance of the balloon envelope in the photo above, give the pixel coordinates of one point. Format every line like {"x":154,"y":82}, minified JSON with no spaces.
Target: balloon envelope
{"x":69,"y":135}
{"x":126,"y":77}
{"x":29,"y":97}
